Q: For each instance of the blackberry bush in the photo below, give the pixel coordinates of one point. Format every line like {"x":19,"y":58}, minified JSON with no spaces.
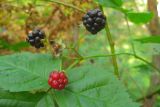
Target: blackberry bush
{"x":89,"y":81}
{"x":35,"y":38}
{"x":94,"y":21}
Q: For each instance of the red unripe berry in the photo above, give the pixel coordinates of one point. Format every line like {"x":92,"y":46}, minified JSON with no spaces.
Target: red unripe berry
{"x":58,"y":80}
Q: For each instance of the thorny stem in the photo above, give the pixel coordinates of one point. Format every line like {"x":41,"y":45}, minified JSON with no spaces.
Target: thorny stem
{"x":111,"y":43}
{"x":118,"y":54}
{"x":150,"y":64}
{"x":73,"y":64}
{"x":150,"y":94}
{"x":67,"y":5}
{"x":73,"y":49}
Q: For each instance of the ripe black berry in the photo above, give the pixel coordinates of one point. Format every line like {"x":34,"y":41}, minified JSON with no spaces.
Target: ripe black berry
{"x":58,"y":80}
{"x":35,"y":38}
{"x":94,"y":21}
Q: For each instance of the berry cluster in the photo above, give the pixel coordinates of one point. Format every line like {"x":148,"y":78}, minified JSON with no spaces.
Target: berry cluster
{"x":58,"y":80}
{"x":94,"y":21}
{"x":35,"y":38}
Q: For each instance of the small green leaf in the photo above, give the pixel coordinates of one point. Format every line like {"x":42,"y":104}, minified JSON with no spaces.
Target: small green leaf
{"x":93,"y":86}
{"x":26,"y":71}
{"x":110,"y":3}
{"x":139,"y":18}
{"x":151,"y":39}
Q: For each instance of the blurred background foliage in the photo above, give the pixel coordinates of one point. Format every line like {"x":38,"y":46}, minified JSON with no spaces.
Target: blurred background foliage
{"x":18,"y":17}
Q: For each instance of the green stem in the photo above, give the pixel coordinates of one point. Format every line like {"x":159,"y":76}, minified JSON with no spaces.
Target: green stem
{"x":61,"y":64}
{"x":114,"y":59}
{"x":136,"y":56}
{"x":130,"y":54}
{"x":67,"y":5}
{"x":150,"y":94}
{"x":100,"y":56}
{"x":157,"y":69}
{"x":73,"y":64}
{"x":111,"y":43}
{"x":73,"y":49}
{"x":129,"y":30}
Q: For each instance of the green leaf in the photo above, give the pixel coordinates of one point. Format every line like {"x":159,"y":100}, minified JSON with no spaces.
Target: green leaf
{"x":26,"y":71}
{"x":143,"y":68}
{"x":139,"y":18}
{"x":21,"y":99}
{"x":4,"y":44}
{"x":46,"y":101}
{"x":25,"y":99}
{"x":151,"y":39}
{"x":15,"y":103}
{"x":110,"y":3}
{"x":18,"y":46}
{"x":93,"y":86}
{"x":15,"y":47}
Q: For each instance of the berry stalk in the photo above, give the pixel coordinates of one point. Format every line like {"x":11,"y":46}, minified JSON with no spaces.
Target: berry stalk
{"x":111,"y":43}
{"x":67,"y":5}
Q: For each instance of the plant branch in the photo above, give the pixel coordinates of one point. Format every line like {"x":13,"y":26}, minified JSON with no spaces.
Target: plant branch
{"x":73,"y":64}
{"x":149,"y":95}
{"x":67,"y":5}
{"x":110,"y":55}
{"x":118,"y":54}
{"x":136,"y":56}
{"x":73,"y":49}
{"x":150,"y":64}
{"x":129,"y":30}
{"x":111,"y":43}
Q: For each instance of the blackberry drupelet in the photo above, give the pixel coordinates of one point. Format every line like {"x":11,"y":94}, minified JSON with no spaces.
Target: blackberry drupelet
{"x":35,"y":38}
{"x":94,"y":21}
